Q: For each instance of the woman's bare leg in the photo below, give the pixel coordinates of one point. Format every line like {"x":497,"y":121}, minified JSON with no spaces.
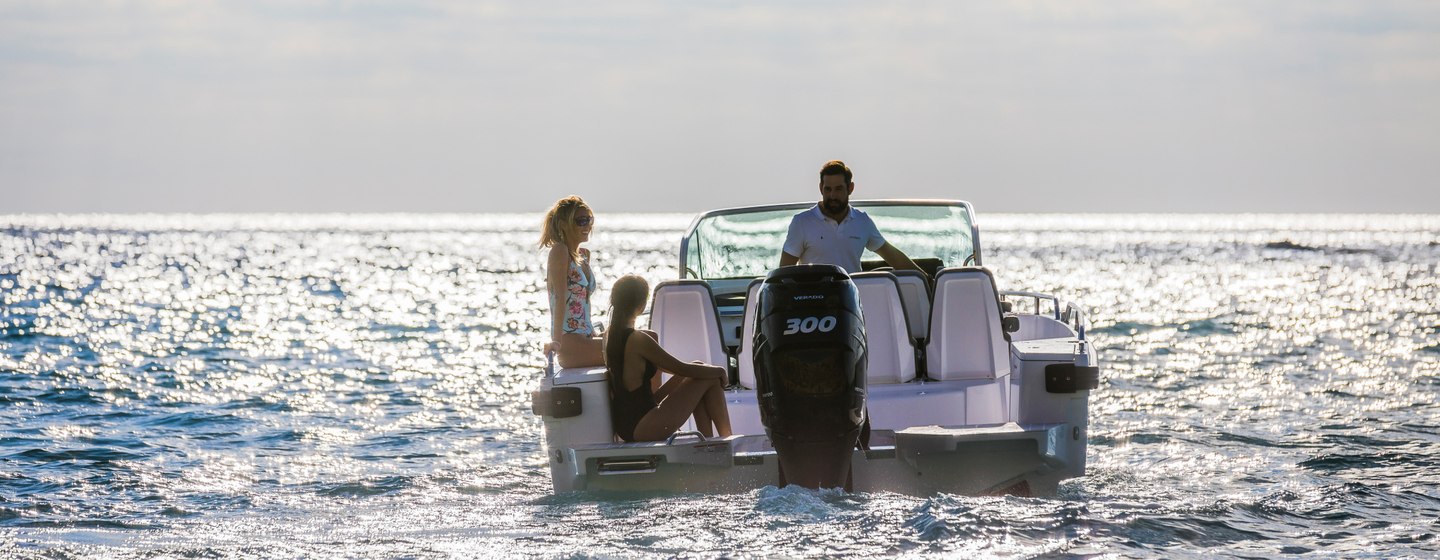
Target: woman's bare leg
{"x":716,"y":409}
{"x":703,"y":424}
{"x":578,"y":350}
{"x":660,"y":390}
{"x":671,"y":412}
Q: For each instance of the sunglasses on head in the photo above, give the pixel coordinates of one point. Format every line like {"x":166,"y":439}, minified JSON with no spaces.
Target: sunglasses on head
{"x":583,"y":221}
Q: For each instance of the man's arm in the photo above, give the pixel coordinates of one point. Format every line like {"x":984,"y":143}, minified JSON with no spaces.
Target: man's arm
{"x":896,"y":258}
{"x":787,"y":259}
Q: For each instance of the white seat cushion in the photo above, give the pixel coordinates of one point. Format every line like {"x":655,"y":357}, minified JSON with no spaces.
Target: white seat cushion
{"x":683,"y":316}
{"x":887,"y":333}
{"x":916,"y":296}
{"x":965,"y":337}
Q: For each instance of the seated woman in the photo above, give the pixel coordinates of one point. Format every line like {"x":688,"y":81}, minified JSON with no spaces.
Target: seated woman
{"x":638,"y":413}
{"x":569,"y":282}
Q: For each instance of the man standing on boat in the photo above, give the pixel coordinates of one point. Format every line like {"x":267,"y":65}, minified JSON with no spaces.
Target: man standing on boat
{"x":834,"y":233}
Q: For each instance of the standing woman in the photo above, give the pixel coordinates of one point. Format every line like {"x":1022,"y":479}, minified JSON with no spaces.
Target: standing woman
{"x":569,"y":282}
{"x":634,"y":357}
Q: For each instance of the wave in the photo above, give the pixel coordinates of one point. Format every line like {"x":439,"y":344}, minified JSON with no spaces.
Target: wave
{"x":1219,"y":325}
{"x":1289,"y":246}
{"x":1393,"y":464}
{"x":366,"y":488}
{"x":191,"y":419}
{"x":797,"y":503}
{"x":96,"y":455}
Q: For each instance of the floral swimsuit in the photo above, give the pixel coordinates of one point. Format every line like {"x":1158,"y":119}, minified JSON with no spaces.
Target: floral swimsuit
{"x":578,"y":287}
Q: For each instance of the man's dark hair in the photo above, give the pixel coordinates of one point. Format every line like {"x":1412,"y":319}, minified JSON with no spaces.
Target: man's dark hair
{"x":836,"y":167}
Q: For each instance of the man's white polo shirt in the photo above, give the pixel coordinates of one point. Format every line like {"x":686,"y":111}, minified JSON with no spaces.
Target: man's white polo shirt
{"x":816,"y":238}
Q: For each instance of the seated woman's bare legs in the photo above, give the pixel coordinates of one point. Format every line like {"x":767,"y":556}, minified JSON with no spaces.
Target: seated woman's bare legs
{"x":578,"y":350}
{"x":711,"y":413}
{"x":681,"y":398}
{"x":715,"y":408}
{"x":703,"y":424}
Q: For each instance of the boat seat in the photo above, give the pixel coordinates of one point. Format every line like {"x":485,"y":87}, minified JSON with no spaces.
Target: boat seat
{"x":684,"y":318}
{"x":746,"y":361}
{"x":966,"y":339}
{"x":890,"y":348}
{"x":915,"y":293}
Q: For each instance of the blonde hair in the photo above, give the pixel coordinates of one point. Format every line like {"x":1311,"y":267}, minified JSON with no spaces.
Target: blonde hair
{"x":560,"y":221}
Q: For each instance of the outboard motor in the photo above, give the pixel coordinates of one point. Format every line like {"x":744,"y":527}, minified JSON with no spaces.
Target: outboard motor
{"x":810,"y":359}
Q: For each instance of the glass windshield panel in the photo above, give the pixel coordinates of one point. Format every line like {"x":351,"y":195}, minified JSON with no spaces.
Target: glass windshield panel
{"x":737,"y":245}
{"x":925,"y":232}
{"x":747,"y":245}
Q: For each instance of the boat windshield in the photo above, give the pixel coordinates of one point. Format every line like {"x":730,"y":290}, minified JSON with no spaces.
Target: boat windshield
{"x":745,"y":243}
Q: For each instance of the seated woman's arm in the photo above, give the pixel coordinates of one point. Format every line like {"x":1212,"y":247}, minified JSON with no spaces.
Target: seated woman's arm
{"x":556,"y":269}
{"x":650,"y":349}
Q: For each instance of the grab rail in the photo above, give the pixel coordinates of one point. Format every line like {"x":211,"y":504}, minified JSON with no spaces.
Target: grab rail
{"x":1062,"y":311}
{"x":1078,"y":317}
{"x":1037,"y":298}
{"x":671,"y":440}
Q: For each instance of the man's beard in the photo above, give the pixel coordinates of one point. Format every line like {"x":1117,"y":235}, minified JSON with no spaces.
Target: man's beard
{"x":834,"y":206}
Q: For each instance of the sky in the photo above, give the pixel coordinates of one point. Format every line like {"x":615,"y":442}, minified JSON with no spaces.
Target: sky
{"x":681,"y":106}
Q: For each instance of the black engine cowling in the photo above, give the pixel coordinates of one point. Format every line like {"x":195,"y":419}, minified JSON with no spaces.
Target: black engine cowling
{"x":810,"y":359}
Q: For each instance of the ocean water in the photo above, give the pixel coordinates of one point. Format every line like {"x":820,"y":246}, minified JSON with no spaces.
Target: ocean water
{"x":277,"y":386}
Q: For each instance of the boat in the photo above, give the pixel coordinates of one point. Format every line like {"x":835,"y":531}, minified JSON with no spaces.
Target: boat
{"x":966,"y":388}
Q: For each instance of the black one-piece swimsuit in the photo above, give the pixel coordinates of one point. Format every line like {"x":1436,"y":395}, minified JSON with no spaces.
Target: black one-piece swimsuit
{"x":627,"y":407}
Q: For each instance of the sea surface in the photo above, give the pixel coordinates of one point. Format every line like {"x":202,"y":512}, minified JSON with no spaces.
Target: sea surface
{"x":282,"y":386}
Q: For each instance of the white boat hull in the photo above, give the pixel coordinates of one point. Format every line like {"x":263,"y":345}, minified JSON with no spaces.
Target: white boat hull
{"x":1005,"y":459}
{"x":1042,"y":443}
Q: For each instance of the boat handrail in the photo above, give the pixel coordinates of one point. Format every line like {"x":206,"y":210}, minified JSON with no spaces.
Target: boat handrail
{"x":1037,"y":297}
{"x":1063,"y":311}
{"x":671,"y":439}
